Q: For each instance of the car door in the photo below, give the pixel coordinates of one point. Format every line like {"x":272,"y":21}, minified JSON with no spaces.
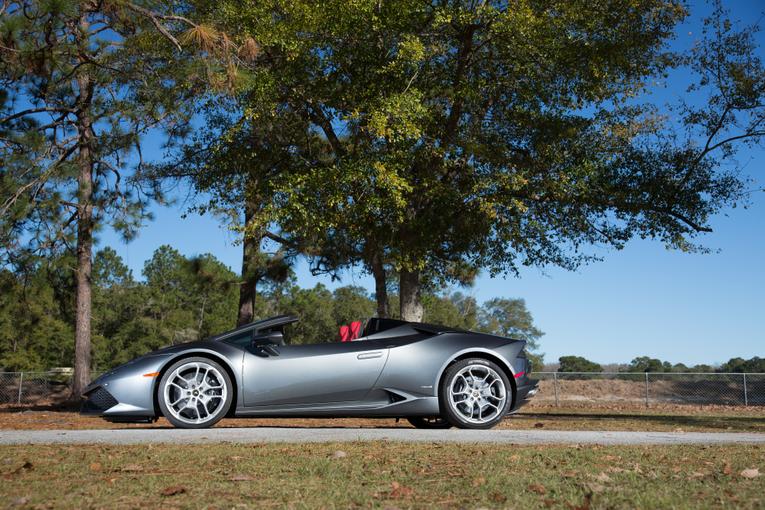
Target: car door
{"x":312,"y":374}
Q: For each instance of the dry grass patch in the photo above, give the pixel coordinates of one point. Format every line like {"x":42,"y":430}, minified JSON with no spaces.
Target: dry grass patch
{"x":381,"y":475}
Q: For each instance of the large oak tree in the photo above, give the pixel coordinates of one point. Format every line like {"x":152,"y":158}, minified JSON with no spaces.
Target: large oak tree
{"x":476,"y":135}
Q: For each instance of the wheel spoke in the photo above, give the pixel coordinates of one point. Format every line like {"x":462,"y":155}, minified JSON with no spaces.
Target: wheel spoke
{"x":206,"y":403}
{"x":477,"y":393}
{"x":173,"y":404}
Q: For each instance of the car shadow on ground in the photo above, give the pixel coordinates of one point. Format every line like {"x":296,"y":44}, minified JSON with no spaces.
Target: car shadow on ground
{"x":64,"y":415}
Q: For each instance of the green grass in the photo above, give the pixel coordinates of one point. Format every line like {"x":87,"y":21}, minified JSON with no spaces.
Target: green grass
{"x":380,"y":474}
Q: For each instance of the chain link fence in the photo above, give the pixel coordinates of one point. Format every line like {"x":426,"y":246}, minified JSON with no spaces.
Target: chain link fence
{"x":33,"y":387}
{"x":555,"y":388}
{"x":645,"y":388}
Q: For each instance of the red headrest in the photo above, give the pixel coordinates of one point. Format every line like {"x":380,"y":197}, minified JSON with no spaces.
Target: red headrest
{"x":355,"y":330}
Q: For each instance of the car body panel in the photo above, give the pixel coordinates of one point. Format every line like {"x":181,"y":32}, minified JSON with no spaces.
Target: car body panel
{"x":313,"y":374}
{"x":393,"y":372}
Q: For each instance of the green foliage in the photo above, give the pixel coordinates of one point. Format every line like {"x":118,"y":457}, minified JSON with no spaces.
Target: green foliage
{"x":753,"y":365}
{"x":181,"y":300}
{"x":577,"y":364}
{"x":459,"y":136}
{"x":184,"y":299}
{"x":511,"y":318}
{"x":351,"y":304}
{"x":314,"y":307}
{"x":36,"y":320}
{"x":455,"y":310}
{"x":647,"y":364}
{"x":734,"y":365}
{"x":82,"y":85}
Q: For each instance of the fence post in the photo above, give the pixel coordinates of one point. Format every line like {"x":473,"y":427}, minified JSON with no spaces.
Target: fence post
{"x":646,"y":389}
{"x":21,"y":383}
{"x":555,"y":387}
{"x":746,"y":397}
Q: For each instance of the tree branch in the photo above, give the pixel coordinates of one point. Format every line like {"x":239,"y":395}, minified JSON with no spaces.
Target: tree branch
{"x":30,"y":111}
{"x":156,"y":19}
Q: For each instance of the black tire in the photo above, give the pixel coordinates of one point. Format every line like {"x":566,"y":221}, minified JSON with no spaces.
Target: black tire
{"x":219,"y":411}
{"x":434,"y":422}
{"x":457,"y":418}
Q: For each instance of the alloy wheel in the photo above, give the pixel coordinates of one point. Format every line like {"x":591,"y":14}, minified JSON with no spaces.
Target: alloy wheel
{"x":477,"y":394}
{"x":195,"y":393}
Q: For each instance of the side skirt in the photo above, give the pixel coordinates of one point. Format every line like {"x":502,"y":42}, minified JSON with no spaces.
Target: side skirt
{"x":423,"y":406}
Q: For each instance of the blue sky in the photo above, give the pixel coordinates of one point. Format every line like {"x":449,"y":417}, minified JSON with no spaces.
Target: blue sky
{"x":643,"y":300}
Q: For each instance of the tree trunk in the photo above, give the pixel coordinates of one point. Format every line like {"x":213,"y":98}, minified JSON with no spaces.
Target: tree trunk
{"x":249,"y":287}
{"x":82,"y":347}
{"x":381,"y":288}
{"x":251,"y":270}
{"x":409,"y":294}
{"x":84,"y":304}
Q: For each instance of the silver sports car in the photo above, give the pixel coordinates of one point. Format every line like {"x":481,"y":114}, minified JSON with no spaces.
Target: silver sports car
{"x":434,"y":376}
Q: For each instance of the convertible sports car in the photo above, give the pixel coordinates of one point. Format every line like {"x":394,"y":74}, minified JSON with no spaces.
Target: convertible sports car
{"x":434,"y":376}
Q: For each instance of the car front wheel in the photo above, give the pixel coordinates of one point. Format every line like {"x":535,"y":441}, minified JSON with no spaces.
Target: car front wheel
{"x":195,"y":393}
{"x":475,"y":394}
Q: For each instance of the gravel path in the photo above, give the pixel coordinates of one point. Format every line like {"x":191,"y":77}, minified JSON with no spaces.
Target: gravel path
{"x":314,"y":435}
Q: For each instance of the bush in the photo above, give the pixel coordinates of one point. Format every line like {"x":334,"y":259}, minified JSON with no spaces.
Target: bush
{"x":578,"y":364}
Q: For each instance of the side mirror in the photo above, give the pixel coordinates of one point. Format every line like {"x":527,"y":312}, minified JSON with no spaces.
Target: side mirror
{"x":272,"y":337}
{"x":267,"y":345}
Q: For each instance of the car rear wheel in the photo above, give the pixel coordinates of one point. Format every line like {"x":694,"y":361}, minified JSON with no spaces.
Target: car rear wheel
{"x":475,"y":394}
{"x":195,"y":393}
{"x":431,"y":422}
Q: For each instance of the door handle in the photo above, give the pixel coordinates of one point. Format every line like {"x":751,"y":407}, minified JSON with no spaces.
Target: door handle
{"x":370,"y":355}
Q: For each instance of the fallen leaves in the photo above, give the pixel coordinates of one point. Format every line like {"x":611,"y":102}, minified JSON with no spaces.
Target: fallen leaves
{"x":95,"y":466}
{"x":498,"y":497}
{"x":750,"y":473}
{"x":603,"y":478}
{"x":173,"y":490}
{"x":339,"y":454}
{"x":538,"y":488}
{"x":400,"y":491}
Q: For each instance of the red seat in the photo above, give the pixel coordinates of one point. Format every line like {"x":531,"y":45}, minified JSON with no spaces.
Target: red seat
{"x":355,"y":330}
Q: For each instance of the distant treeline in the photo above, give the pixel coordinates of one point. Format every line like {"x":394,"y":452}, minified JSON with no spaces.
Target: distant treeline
{"x":182,"y":299}
{"x":648,"y":364}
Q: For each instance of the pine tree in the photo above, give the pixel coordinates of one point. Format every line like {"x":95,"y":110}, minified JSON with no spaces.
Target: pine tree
{"x":82,"y":83}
